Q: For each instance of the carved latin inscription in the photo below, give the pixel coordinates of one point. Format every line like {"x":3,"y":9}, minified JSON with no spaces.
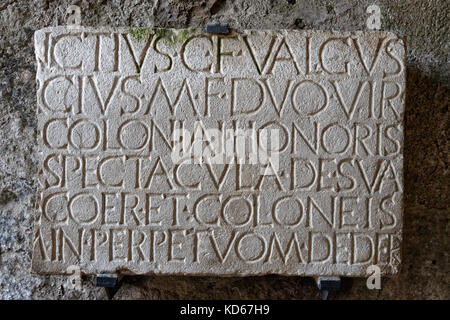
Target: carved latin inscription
{"x":179,"y":152}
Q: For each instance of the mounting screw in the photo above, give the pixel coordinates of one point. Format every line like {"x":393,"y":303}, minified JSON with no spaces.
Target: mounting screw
{"x":110,"y":282}
{"x":326,"y":284}
{"x":217,"y":28}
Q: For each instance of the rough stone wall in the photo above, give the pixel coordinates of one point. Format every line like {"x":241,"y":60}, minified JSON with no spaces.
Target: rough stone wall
{"x":425,"y":272}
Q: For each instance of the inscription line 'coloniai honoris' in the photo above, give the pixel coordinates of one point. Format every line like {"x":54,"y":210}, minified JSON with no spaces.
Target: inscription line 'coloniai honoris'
{"x":178,"y":152}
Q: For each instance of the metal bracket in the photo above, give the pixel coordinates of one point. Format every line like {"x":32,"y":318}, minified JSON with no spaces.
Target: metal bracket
{"x":217,"y":28}
{"x":326,"y":284}
{"x":110,"y":282}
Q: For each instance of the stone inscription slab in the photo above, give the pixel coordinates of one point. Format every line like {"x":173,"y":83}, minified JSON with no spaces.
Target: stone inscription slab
{"x":180,"y":152}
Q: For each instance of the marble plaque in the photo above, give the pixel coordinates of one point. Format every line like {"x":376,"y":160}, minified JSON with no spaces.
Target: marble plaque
{"x":180,"y":152}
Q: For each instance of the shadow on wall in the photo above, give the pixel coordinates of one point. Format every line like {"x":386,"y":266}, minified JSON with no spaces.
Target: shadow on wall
{"x":424,"y":272}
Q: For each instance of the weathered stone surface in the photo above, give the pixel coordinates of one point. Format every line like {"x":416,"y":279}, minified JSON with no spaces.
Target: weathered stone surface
{"x":114,"y":195}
